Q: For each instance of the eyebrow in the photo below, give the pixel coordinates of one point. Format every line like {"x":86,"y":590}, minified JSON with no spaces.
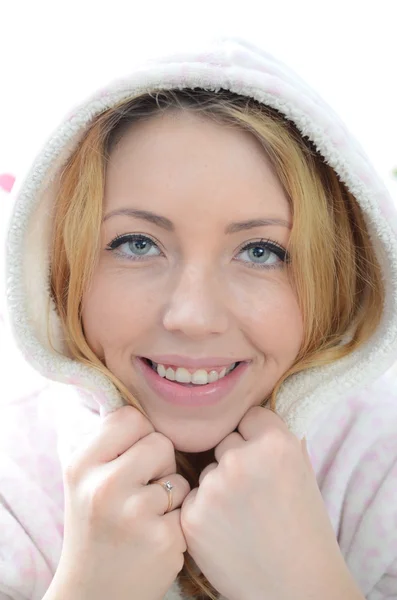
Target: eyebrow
{"x":165,"y":223}
{"x":146,"y":215}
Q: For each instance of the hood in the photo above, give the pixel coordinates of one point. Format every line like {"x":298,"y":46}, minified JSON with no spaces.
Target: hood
{"x":238,"y":66}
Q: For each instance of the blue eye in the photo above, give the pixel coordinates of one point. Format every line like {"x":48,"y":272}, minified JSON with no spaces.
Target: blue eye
{"x":136,"y":246}
{"x":259,"y":254}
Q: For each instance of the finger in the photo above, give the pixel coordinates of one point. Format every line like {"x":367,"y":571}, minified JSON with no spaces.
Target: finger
{"x":173,"y":518}
{"x":233,"y":440}
{"x":258,"y":420}
{"x":156,"y":496}
{"x":188,"y":502}
{"x":119,"y":431}
{"x":150,"y":458}
{"x":207,"y":470}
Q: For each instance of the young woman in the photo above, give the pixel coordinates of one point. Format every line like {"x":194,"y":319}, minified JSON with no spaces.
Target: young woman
{"x":203,"y":254}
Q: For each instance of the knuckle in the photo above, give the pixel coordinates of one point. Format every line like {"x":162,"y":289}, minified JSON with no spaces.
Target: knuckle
{"x":234,"y":467}
{"x":233,"y":461}
{"x":139,"y":418}
{"x":191,"y":523}
{"x":162,"y":442}
{"x":280,"y":446}
{"x":98,"y":496}
{"x":129,"y":413}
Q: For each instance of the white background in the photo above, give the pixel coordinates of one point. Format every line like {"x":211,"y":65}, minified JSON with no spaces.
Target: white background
{"x":53,"y":54}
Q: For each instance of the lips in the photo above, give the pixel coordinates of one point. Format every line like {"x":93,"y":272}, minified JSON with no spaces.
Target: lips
{"x":176,"y":393}
{"x":187,"y":377}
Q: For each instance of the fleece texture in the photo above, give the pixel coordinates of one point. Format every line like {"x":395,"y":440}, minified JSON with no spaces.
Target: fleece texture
{"x":347,"y":410}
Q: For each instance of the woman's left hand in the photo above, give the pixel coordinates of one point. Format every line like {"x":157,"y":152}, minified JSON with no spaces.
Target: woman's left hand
{"x":257,"y":526}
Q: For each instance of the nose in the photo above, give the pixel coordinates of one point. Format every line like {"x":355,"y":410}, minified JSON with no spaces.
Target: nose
{"x":195,"y":305}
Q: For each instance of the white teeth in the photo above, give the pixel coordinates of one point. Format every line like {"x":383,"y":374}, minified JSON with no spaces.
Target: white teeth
{"x":182,"y":375}
{"x":213,"y":376}
{"x":170,"y":374}
{"x":199,"y":377}
{"x":161,"y":370}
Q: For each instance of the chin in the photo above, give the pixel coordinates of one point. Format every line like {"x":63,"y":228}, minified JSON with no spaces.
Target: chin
{"x":193,"y":446}
{"x":194,"y":440}
{"x":193,"y":434}
{"x":191,"y":443}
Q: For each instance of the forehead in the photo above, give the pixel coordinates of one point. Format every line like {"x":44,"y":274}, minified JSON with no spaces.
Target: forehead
{"x":183,"y":158}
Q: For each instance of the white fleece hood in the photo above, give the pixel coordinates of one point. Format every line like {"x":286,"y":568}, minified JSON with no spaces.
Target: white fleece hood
{"x":240,"y":67}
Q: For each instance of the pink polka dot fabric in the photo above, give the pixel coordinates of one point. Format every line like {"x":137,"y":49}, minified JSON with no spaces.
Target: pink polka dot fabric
{"x":6,"y":182}
{"x":353,"y":449}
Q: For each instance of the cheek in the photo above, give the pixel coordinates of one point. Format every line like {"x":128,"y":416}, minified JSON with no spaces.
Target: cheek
{"x":270,"y":315}
{"x":114,"y":309}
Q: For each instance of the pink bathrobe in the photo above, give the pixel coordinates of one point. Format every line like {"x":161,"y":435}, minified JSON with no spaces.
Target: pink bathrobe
{"x":347,"y":410}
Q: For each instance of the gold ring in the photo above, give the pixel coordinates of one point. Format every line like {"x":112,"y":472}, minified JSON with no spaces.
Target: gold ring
{"x":167,"y":485}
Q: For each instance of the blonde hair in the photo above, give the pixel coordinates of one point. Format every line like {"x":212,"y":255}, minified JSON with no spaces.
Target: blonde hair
{"x":332,"y":267}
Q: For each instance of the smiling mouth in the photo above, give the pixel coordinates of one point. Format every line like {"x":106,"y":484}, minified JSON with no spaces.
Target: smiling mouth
{"x":188,"y":377}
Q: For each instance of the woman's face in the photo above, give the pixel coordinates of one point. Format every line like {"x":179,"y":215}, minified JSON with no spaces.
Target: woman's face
{"x":188,"y":279}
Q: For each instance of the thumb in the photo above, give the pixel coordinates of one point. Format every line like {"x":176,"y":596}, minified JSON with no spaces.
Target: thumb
{"x":189,"y":499}
{"x":188,"y":510}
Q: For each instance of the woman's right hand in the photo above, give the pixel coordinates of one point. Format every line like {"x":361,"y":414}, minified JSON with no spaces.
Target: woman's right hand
{"x":118,"y":541}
